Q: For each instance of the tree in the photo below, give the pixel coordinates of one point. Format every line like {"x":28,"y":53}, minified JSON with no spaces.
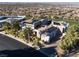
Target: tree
{"x":28,"y":33}
{"x":69,"y":42}
{"x":15,"y":25}
{"x":21,"y":35}
{"x":35,"y":40}
{"x":55,"y":17}
{"x":6,"y":27}
{"x":15,"y":28}
{"x":25,"y":34}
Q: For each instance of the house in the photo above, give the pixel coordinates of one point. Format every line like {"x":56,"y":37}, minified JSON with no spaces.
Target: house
{"x":61,"y":25}
{"x":31,"y":23}
{"x":44,"y":28}
{"x":53,"y":29}
{"x":47,"y":29}
{"x":10,"y":19}
{"x":50,"y":34}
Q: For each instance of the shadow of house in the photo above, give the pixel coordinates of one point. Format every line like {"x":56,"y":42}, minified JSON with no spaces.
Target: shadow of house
{"x":22,"y":53}
{"x":50,"y":52}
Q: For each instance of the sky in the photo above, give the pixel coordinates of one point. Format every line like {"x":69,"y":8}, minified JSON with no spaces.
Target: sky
{"x":39,"y":0}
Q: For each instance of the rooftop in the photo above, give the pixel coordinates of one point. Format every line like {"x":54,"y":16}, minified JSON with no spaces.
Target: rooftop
{"x":45,"y":27}
{"x":30,"y":21}
{"x":51,"y":29}
{"x":4,"y":18}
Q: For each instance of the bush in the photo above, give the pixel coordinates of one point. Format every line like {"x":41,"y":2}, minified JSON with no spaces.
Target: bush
{"x":21,"y":35}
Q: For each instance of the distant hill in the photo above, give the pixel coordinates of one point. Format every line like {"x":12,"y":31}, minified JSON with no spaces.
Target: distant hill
{"x":40,"y":4}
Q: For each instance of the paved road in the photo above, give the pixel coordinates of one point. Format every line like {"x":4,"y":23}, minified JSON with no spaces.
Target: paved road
{"x":12,"y":48}
{"x":7,"y":43}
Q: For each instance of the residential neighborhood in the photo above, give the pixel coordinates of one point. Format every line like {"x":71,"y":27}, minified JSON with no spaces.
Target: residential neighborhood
{"x":48,"y":30}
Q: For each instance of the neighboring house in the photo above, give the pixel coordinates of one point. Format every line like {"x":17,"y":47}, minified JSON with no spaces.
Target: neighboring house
{"x":10,"y":19}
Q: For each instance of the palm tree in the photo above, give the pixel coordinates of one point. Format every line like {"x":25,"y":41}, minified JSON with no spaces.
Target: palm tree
{"x":15,"y":28}
{"x":6,"y":27}
{"x":28,"y":33}
{"x":69,"y":42}
{"x":16,"y":25}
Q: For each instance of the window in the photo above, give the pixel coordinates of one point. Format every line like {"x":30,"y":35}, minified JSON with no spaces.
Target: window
{"x":56,"y":23}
